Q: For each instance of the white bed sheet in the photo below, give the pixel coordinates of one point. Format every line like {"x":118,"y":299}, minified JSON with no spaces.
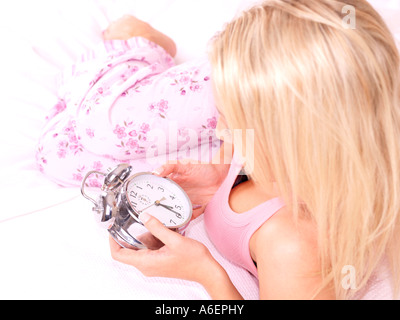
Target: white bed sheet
{"x":50,"y":246}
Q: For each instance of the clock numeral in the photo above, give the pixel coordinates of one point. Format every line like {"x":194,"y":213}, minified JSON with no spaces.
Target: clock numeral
{"x":172,"y":221}
{"x":133,"y":194}
{"x":178,"y":207}
{"x":178,"y":215}
{"x":172,"y":197}
{"x":150,"y":186}
{"x":161,"y":189}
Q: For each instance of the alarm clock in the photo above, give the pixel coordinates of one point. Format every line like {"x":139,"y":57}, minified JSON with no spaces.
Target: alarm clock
{"x":124,"y":195}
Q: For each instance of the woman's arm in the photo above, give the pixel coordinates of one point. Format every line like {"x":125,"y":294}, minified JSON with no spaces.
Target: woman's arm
{"x":218,"y":284}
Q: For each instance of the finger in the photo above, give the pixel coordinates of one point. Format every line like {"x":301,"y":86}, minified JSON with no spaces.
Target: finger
{"x":117,"y":252}
{"x":166,"y":169}
{"x":127,"y":256}
{"x":177,"y":171}
{"x":173,"y":171}
{"x":157,"y":229}
{"x":177,"y":167}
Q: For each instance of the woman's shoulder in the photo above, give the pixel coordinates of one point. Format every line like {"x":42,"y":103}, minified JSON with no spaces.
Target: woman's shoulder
{"x":287,"y":257}
{"x":285,"y":236}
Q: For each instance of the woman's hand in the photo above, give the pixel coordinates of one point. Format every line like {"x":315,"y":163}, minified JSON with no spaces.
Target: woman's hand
{"x":199,"y":180}
{"x":180,"y":257}
{"x":129,"y":26}
{"x":125,"y":28}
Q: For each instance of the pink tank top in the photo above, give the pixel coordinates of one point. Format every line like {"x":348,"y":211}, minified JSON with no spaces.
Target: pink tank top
{"x":229,"y":231}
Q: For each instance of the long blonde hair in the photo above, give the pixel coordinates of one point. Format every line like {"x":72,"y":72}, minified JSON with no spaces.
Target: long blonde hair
{"x":323,"y":100}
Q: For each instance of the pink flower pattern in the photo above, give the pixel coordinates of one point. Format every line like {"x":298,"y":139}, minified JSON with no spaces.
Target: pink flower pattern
{"x":57,"y":109}
{"x":120,"y":132}
{"x":90,"y":133}
{"x":71,"y":143}
{"x":135,"y":138}
{"x":212,"y":123}
{"x":185,"y":80}
{"x":86,"y":135}
{"x":160,"y":107}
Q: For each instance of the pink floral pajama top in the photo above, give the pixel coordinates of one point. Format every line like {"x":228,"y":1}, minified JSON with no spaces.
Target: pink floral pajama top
{"x":127,"y":102}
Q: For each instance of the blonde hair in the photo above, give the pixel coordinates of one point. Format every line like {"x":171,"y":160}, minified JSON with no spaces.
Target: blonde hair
{"x":324,"y":103}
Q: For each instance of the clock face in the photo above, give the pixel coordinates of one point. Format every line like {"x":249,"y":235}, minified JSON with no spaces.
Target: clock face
{"x":159,"y":197}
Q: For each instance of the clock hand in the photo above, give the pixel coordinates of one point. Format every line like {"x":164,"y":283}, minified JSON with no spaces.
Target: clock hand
{"x":157,"y":203}
{"x":165,"y":206}
{"x":178,"y":215}
{"x":140,"y":211}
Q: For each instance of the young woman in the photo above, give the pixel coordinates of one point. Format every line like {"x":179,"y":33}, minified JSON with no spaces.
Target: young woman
{"x":323,"y":193}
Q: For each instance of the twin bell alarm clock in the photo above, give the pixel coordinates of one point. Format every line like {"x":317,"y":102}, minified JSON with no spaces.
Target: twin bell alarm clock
{"x":124,"y":196}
